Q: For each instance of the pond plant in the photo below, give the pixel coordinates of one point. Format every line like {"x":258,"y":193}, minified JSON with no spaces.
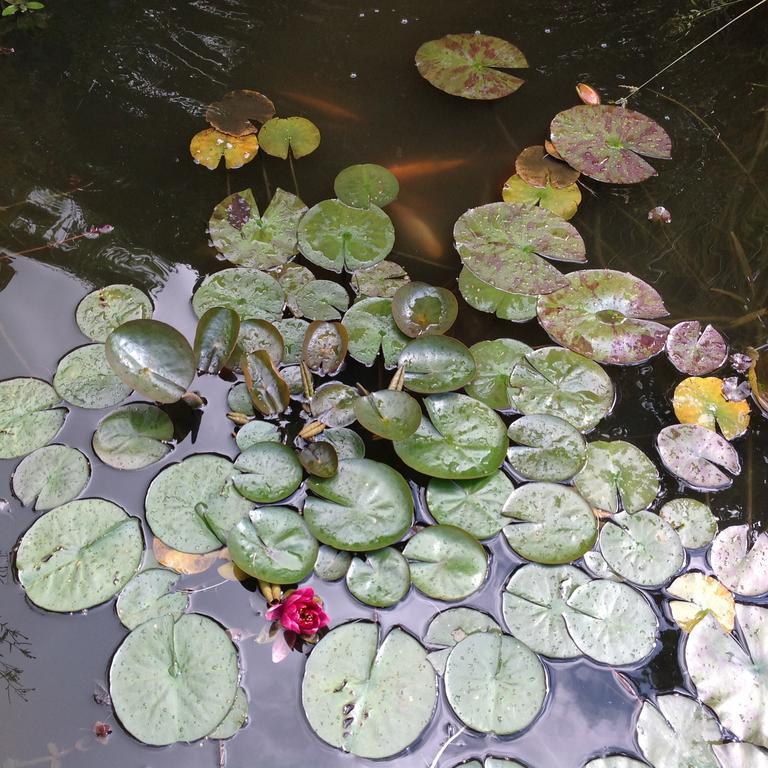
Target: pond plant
{"x":493,"y":439}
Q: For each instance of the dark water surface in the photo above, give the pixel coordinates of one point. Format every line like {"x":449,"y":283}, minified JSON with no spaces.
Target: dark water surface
{"x":96,"y":112}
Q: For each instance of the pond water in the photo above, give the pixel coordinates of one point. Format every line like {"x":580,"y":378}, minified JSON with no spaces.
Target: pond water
{"x":99,"y":102}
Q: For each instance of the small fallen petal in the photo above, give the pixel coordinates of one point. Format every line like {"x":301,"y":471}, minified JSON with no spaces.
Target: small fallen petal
{"x":660,"y":214}
{"x":587,"y":93}
{"x":280,"y":649}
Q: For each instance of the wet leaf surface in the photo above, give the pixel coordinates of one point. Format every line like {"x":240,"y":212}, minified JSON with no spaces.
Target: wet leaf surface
{"x":695,"y":524}
{"x":319,"y":459}
{"x":332,"y":564}
{"x":371,"y":329}
{"x":255,"y":335}
{"x":382,"y":279}
{"x":420,"y":309}
{"x":209,"y":146}
{"x":380,"y":579}
{"x":534,"y":166}
{"x":696,"y":352}
{"x":215,"y":339}
{"x":322,"y":300}
{"x":739,"y":558}
{"x":389,"y":414}
{"x":149,"y":595}
{"x":332,"y":404}
{"x":435,"y":364}
{"x":268,"y":390}
{"x":269,"y":471}
{"x":699,"y":595}
{"x":105,"y":309}
{"x":235,"y":719}
{"x":282,"y":135}
{"x":516,"y":307}
{"x":325,"y":346}
{"x":562,"y":202}
{"x":249,"y":292}
{"x":84,"y":377}
{"x":701,"y":401}
{"x":494,"y":361}
{"x":366,"y":184}
{"x":51,"y":476}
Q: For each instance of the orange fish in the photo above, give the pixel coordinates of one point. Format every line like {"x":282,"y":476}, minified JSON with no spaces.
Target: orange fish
{"x":321,"y":105}
{"x":416,"y":231}
{"x":418,"y":168}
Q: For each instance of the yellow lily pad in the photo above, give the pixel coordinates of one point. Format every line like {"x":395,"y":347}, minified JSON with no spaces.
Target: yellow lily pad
{"x":700,"y":595}
{"x":563,"y":202}
{"x":184,"y":562}
{"x":209,"y":146}
{"x":701,"y":401}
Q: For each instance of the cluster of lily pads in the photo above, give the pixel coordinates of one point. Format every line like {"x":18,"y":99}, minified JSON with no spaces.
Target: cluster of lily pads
{"x":510,"y":454}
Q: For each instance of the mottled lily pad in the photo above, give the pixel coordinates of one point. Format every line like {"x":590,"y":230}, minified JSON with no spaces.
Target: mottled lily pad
{"x":371,"y":329}
{"x":382,"y":279}
{"x":28,"y":418}
{"x":696,"y":352}
{"x":215,"y":339}
{"x":366,"y":184}
{"x":380,"y":579}
{"x":421,"y":309}
{"x":292,"y":278}
{"x":85,"y":378}
{"x":258,"y":335}
{"x":548,"y":448}
{"x":149,"y":595}
{"x":562,"y":202}
{"x":51,"y":476}
{"x":209,"y":146}
{"x":105,"y":309}
{"x":494,"y":361}
{"x":694,"y":522}
{"x":332,"y":404}
{"x":322,"y":300}
{"x":516,"y":307}
{"x":331,"y":564}
{"x":269,"y":471}
{"x":389,"y":414}
{"x":700,"y":595}
{"x":293,"y":330}
{"x":436,"y":364}
{"x":325,"y":347}
{"x":701,"y":401}
{"x":739,"y":558}
{"x":282,"y":135}
{"x":249,"y":292}
{"x":536,"y":167}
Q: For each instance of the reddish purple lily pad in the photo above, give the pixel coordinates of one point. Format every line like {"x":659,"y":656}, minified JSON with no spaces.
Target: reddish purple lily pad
{"x":605,"y":315}
{"x":465,"y":65}
{"x":502,"y":244}
{"x":605,"y":142}
{"x":698,"y":456}
{"x":694,"y":352}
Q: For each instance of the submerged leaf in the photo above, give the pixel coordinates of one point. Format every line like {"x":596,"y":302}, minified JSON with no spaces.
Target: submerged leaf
{"x":696,"y":352}
{"x":234,"y":112}
{"x":700,"y":595}
{"x":209,"y":146}
{"x":701,"y":401}
{"x":282,"y":135}
{"x":235,"y":719}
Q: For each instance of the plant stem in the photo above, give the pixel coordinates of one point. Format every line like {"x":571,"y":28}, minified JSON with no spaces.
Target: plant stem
{"x":293,"y":173}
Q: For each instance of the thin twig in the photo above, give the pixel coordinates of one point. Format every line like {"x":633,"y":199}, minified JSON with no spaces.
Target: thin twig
{"x":293,"y":173}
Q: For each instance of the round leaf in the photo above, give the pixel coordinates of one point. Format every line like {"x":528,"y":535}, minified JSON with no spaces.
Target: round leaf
{"x":105,"y":309}
{"x":249,"y":292}
{"x":371,"y":328}
{"x":452,"y":625}
{"x":536,"y":167}
{"x":149,"y":595}
{"x":381,"y":579}
{"x":280,"y":135}
{"x":494,"y":361}
{"x":516,"y":307}
{"x":421,"y":309}
{"x":332,"y":404}
{"x":256,"y":432}
{"x":234,"y":112}
{"x":85,"y":378}
{"x":388,"y":413}
{"x":348,"y":444}
{"x":51,"y":476}
{"x":322,"y":300}
{"x":325,"y":347}
{"x":436,"y":364}
{"x":209,"y":146}
{"x":331,"y":564}
{"x":695,"y":524}
{"x":696,"y":352}
{"x":256,"y":335}
{"x":701,"y":401}
{"x":320,"y":459}
{"x":739,"y":558}
{"x":270,"y":471}
{"x":562,"y":202}
{"x":28,"y":419}
{"x":366,"y":184}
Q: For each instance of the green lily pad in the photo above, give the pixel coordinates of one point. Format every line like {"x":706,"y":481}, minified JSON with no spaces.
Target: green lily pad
{"x":239,"y":401}
{"x":696,"y":352}
{"x":420,"y":309}
{"x":617,"y":471}
{"x":337,"y":236}
{"x":268,"y":390}
{"x":149,"y":595}
{"x":174,"y":681}
{"x":390,"y":414}
{"x":739,"y":558}
{"x":255,"y":432}
{"x":332,"y":404}
{"x":234,"y":720}
{"x":324,"y":348}
{"x":491,"y":762}
{"x":134,"y":436}
{"x":642,"y":548}
{"x":732,"y":678}
{"x":249,"y":292}
{"x":615,"y":761}
{"x":494,"y":361}
{"x":694,"y":522}
{"x":348,"y":444}
{"x":85,"y":378}
{"x":51,"y":476}
{"x":535,"y":602}
{"x":269,"y":472}
{"x":563,"y":202}
{"x":369,"y":699}
{"x":557,"y":382}
{"x":215,"y":339}
{"x":248,"y":239}
{"x":605,"y":142}
{"x":105,"y":309}
{"x":191,"y":506}
{"x":380,"y":579}
{"x":366,"y":505}
{"x":273,"y":544}
{"x":446,"y":563}
{"x":293,"y":330}
{"x":366,"y":184}
{"x":549,"y":448}
{"x":494,"y":683}
{"x":452,"y":625}
{"x":153,"y":358}
{"x":550,"y":523}
{"x":383,"y":279}
{"x":332,"y":564}
{"x":605,"y":315}
{"x":473,"y":505}
{"x":28,"y":419}
{"x":292,"y":278}
{"x":296,"y":135}
{"x":79,"y":555}
{"x":469,"y":65}
{"x":322,"y":300}
{"x":503,"y":244}
{"x":255,"y":335}
{"x":517,"y":307}
{"x":372,"y":328}
{"x":436,"y":364}
{"x":459,"y":439}
{"x":737,"y":754}
{"x":611,"y":622}
{"x":596,"y":565}
{"x":320,"y":459}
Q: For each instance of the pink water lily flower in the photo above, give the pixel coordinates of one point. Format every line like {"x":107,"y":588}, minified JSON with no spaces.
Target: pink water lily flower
{"x":300,"y":611}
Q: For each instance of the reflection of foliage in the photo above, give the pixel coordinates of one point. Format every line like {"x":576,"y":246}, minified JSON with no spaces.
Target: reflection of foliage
{"x":684,"y":21}
{"x":10,"y":673}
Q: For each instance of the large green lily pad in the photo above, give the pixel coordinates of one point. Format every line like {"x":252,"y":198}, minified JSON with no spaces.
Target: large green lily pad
{"x":269,"y":471}
{"x":494,"y":361}
{"x":28,"y":418}
{"x":105,"y":309}
{"x":366,"y":184}
{"x":739,"y":558}
{"x":149,"y":595}
{"x":134,"y":436}
{"x":372,"y":328}
{"x":517,"y":307}
{"x":436,"y":364}
{"x":380,"y":579}
{"x":249,"y":292}
{"x":51,"y":476}
{"x":85,"y":378}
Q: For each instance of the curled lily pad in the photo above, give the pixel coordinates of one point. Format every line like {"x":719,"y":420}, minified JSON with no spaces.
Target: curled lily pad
{"x":694,"y":522}
{"x":332,"y":404}
{"x":390,"y":414}
{"x":273,"y":544}
{"x":421,"y":309}
{"x":695,"y":455}
{"x":549,"y":523}
{"x":256,"y":432}
{"x":153,"y":358}
{"x":79,"y":555}
{"x":382,"y":279}
{"x":732,"y":678}
{"x":370,"y":698}
{"x":738,"y":754}
{"x":698,"y":596}
{"x":325,"y":347}
{"x":282,"y":135}
{"x":348,"y":444}
{"x":149,"y":595}
{"x":292,"y":330}
{"x":517,"y":307}
{"x":258,"y":335}
{"x":268,"y":390}
{"x":606,"y":316}
{"x":215,"y":339}
{"x":234,"y":113}
{"x":739,"y":558}
{"x":558,"y":382}
{"x":616,"y":473}
{"x":249,"y":292}
{"x":371,"y":328}
{"x":503,"y":244}
{"x":28,"y":418}
{"x":209,"y":146}
{"x":459,"y":439}
{"x":366,"y":505}
{"x":134,"y":436}
{"x":548,"y":448}
{"x":105,"y":309}
{"x":605,"y":142}
{"x":642,"y":548}
{"x":473,"y":505}
{"x":696,"y":352}
{"x":85,"y":378}
{"x":446,"y":563}
{"x":191,"y":506}
{"x":51,"y":476}
{"x":535,"y":601}
{"x":269,"y":472}
{"x":234,"y":720}
{"x":366,"y":184}
{"x":562,"y":202}
{"x":494,"y":683}
{"x":320,"y":459}
{"x":469,"y":65}
{"x":494,"y":361}
{"x":436,"y":364}
{"x":536,"y":167}
{"x":322,"y":300}
{"x":331,"y":564}
{"x":249,"y":239}
{"x":701,"y":401}
{"x":174,"y":680}
{"x":381,"y":579}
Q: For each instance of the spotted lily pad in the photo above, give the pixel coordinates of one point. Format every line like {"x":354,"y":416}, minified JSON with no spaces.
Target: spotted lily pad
{"x":149,"y":595}
{"x":293,"y":330}
{"x":390,"y":414}
{"x":85,"y":378}
{"x":322,"y":300}
{"x":562,"y":202}
{"x":557,"y":382}
{"x":269,"y":471}
{"x":701,"y":401}
{"x":516,"y":307}
{"x":371,"y":329}
{"x":28,"y":418}
{"x":366,"y":184}
{"x":470,"y":65}
{"x":503,"y":244}
{"x":79,"y":555}
{"x":234,"y":720}
{"x":105,"y":309}
{"x":382,"y":279}
{"x":606,"y":316}
{"x":695,"y":455}
{"x":215,"y":339}
{"x":249,"y":292}
{"x":258,"y":335}
{"x":548,"y":448}
{"x":292,"y":278}
{"x":282,"y":135}
{"x":436,"y":364}
{"x":421,"y":309}
{"x":380,"y":579}
{"x":370,"y":698}
{"x":605,"y":142}
{"x":209,"y":146}
{"x":325,"y":347}
{"x":739,"y":558}
{"x":174,"y":680}
{"x":696,"y":352}
{"x":694,"y":522}
{"x":494,"y":361}
{"x":331,"y":564}
{"x":337,"y":236}
{"x":51,"y":476}
{"x":459,"y":439}
{"x":536,"y":167}
{"x":700,"y":595}
{"x":737,"y":754}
